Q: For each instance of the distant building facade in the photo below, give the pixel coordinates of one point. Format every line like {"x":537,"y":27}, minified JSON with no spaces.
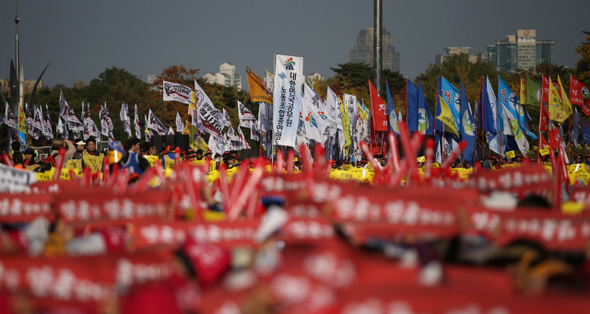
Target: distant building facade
{"x":227,"y":76}
{"x":363,"y":51}
{"x":520,"y":51}
{"x":458,"y":50}
{"x":28,"y":86}
{"x":313,"y":77}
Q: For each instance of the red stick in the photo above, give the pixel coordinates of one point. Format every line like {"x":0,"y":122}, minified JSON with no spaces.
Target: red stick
{"x":114,"y":175}
{"x":249,"y":188}
{"x":224,"y":185}
{"x":176,"y":156}
{"x":59,"y":163}
{"x":307,"y":163}
{"x":7,"y":160}
{"x":280,"y":161}
{"x":290,"y":158}
{"x":122,"y":182}
{"x":429,"y":154}
{"x":144,"y":180}
{"x":188,"y":173}
{"x":409,"y":153}
{"x":87,"y":176}
{"x":238,"y":180}
{"x":320,"y":159}
{"x":105,"y":171}
{"x":393,"y":155}
{"x":370,"y":157}
{"x":160,"y":171}
{"x":253,"y":201}
{"x":556,"y":182}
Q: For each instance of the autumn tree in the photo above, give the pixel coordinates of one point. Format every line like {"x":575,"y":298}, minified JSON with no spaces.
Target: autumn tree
{"x":582,"y":70}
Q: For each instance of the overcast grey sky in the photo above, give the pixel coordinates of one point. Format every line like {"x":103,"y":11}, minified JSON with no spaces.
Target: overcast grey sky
{"x":82,"y":38}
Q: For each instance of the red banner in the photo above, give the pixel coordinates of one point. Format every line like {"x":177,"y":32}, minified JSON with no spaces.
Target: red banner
{"x":24,"y":208}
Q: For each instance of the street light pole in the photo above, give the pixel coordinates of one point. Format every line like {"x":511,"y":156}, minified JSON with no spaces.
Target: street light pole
{"x":377,"y":53}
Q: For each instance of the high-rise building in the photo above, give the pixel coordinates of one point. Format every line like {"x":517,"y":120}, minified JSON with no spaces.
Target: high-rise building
{"x":227,"y":76}
{"x":363,"y":51}
{"x":520,"y":51}
{"x":457,"y":50}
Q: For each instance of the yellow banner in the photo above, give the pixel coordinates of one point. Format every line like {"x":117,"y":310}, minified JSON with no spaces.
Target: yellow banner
{"x":94,"y":162}
{"x":544,"y":151}
{"x":510,"y":154}
{"x":151,"y":159}
{"x":258,"y":90}
{"x":345,"y":125}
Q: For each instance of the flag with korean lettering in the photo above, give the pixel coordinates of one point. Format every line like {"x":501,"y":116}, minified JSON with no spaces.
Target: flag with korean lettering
{"x":210,"y":119}
{"x":508,"y":100}
{"x":452,"y":97}
{"x":124,"y":116}
{"x":247,"y":118}
{"x":378,"y":110}
{"x":47,"y":128}
{"x":155,"y":124}
{"x":90,"y":128}
{"x":559,"y":108}
{"x":580,"y":95}
{"x":9,"y":117}
{"x":350,"y":102}
{"x":176,"y":92}
{"x":288,"y":78}
{"x":311,"y":106}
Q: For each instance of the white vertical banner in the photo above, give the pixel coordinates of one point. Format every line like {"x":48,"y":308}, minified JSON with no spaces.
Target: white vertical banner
{"x":287,"y":98}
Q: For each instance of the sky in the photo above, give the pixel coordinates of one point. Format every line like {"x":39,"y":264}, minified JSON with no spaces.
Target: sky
{"x":83,"y":38}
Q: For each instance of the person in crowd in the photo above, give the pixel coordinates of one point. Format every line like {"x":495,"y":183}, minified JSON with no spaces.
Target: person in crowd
{"x":55,"y":147}
{"x":578,"y":159}
{"x":134,"y":146}
{"x":15,"y":146}
{"x":18,"y":161}
{"x":153,"y":150}
{"x":30,"y":156}
{"x":133,"y":161}
{"x":91,"y":147}
{"x":232,"y":161}
{"x":80,"y":146}
{"x":519,"y":158}
{"x":587,"y":159}
{"x":208,"y":154}
{"x":199,"y":154}
{"x":191,"y":156}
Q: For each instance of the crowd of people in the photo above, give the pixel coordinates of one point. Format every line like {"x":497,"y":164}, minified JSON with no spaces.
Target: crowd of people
{"x":286,"y":239}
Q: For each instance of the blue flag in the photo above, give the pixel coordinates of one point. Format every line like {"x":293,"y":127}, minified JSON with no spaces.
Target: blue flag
{"x":412,"y":114}
{"x":452,"y":97}
{"x":392,"y":116}
{"x":485,"y":114}
{"x":509,"y":102}
{"x":585,"y":131}
{"x":467,"y":127}
{"x":425,"y":119}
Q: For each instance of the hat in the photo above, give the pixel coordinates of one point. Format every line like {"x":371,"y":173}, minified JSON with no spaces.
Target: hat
{"x":209,"y":152}
{"x":29,"y":151}
{"x":80,"y":143}
{"x":190,"y":153}
{"x":115,"y":153}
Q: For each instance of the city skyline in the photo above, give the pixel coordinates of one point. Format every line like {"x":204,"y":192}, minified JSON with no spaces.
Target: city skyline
{"x":148,"y":38}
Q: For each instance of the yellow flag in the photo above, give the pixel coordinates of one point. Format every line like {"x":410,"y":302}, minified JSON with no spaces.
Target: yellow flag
{"x":258,"y":90}
{"x":558,"y":111}
{"x":345,"y":124}
{"x":22,"y":125}
{"x":567,"y":105}
{"x":447,"y":117}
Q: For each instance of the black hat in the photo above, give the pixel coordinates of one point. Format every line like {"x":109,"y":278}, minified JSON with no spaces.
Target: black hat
{"x":29,"y":151}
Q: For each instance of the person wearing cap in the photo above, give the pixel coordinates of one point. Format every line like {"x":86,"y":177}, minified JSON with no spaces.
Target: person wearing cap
{"x":208,"y":155}
{"x":199,"y":154}
{"x":191,"y":155}
{"x":587,"y":159}
{"x":135,"y":162}
{"x":29,"y":157}
{"x":80,"y":146}
{"x":232,"y":161}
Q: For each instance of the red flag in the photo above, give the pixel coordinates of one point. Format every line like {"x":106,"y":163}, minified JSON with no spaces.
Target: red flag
{"x":378,"y":109}
{"x":580,"y":95}
{"x":543,"y":119}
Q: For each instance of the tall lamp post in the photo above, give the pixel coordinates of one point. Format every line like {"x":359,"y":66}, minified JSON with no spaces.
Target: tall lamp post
{"x":377,"y":53}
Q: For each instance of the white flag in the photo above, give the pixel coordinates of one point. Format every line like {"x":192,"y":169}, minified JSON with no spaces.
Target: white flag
{"x":176,"y":92}
{"x":155,"y":124}
{"x":47,"y":129}
{"x":313,"y":115}
{"x":170,"y":131}
{"x":210,"y":119}
{"x":179,"y":123}
{"x":124,"y":115}
{"x":288,"y":78}
{"x":137,"y":126}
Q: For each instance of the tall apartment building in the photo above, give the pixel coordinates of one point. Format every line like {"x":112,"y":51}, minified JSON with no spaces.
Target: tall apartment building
{"x":457,"y":50}
{"x":227,"y":76}
{"x":520,"y":51}
{"x":363,"y":51}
